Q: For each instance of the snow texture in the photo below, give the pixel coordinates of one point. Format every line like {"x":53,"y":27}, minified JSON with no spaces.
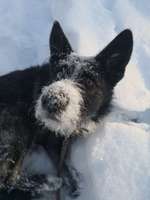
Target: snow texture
{"x":117,"y":157}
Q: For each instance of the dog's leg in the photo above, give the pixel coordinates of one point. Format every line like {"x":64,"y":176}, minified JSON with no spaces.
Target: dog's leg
{"x":16,"y":171}
{"x":58,"y":151}
{"x":69,"y":175}
{"x":72,"y":179}
{"x":10,"y":170}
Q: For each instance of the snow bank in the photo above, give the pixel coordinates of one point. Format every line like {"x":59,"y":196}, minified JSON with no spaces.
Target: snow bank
{"x":115,"y":161}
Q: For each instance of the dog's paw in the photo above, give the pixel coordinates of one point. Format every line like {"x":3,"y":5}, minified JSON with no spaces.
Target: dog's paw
{"x":54,"y":183}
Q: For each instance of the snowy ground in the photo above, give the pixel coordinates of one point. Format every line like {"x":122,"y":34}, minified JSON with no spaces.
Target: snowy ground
{"x":115,"y":161}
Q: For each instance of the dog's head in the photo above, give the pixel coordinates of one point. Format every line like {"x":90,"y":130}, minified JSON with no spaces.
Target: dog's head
{"x":81,"y":88}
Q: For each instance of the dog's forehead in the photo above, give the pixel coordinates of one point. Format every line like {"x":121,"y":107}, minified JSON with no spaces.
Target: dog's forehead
{"x":73,"y":60}
{"x":75,"y":67}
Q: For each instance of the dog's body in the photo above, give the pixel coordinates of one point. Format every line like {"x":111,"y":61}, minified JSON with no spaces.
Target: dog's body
{"x":63,"y":98}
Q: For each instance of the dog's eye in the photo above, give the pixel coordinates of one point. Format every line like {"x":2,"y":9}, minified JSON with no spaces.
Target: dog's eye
{"x":89,"y":82}
{"x":59,"y":75}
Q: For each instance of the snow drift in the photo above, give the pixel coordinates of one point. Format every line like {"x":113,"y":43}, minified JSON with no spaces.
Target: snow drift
{"x":115,"y":161}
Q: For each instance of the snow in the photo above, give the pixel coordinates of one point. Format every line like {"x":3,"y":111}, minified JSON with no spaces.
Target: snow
{"x":115,"y":161}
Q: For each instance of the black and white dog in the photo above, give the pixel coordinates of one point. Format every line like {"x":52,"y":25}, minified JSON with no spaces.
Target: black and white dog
{"x":66,"y":97}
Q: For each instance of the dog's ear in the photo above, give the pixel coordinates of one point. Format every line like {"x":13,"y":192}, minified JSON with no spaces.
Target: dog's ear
{"x":114,"y":57}
{"x":59,"y":44}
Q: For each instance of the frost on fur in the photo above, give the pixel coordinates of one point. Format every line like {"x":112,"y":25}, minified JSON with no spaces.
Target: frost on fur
{"x":68,"y":120}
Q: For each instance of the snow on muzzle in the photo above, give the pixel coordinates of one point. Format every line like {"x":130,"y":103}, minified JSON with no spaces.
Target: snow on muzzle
{"x":59,"y":107}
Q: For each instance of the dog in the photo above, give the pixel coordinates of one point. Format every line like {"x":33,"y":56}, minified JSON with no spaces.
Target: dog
{"x":66,"y":97}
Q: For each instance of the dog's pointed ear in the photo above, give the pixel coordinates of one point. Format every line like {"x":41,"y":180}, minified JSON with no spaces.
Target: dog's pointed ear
{"x":114,"y":57}
{"x":59,"y":44}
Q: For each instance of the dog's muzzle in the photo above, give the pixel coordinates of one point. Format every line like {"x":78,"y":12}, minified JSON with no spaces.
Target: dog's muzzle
{"x":59,"y":106}
{"x":54,"y":102}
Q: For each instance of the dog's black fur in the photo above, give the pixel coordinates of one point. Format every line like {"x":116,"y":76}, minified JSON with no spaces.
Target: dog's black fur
{"x":19,"y":91}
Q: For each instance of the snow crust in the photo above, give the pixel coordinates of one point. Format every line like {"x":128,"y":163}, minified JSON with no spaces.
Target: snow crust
{"x":115,"y":161}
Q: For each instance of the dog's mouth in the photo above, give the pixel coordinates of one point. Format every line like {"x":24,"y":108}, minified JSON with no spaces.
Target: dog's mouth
{"x":53,"y":116}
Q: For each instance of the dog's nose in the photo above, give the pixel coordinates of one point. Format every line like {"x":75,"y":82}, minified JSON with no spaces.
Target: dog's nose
{"x":54,"y":103}
{"x":49,"y":103}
